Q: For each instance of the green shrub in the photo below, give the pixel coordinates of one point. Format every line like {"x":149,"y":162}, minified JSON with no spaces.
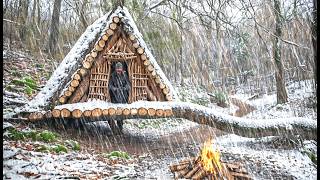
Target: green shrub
{"x":59,"y":148}
{"x":73,"y":144}
{"x":16,"y":135}
{"x":43,"y":148}
{"x":311,"y":155}
{"x":220,"y":98}
{"x":48,"y":136}
{"x":28,"y":83}
{"x":118,"y":154}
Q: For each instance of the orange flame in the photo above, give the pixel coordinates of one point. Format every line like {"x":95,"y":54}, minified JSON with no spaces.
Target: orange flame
{"x":210,"y":158}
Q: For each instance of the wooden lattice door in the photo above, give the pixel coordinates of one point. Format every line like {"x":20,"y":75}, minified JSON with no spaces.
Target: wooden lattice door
{"x":99,"y":82}
{"x":139,"y":83}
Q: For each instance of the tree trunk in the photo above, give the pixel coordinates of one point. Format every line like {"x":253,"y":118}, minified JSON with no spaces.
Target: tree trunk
{"x":54,"y":30}
{"x":33,"y":12}
{"x":282,"y":96}
{"x":23,"y":18}
{"x":314,"y":40}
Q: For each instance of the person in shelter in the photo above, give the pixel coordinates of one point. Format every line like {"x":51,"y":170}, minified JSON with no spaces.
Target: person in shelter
{"x":119,"y":85}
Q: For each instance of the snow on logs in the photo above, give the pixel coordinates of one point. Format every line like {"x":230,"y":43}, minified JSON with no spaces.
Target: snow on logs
{"x":88,"y":60}
{"x":149,"y":67}
{"x":98,"y":112}
{"x":306,"y":128}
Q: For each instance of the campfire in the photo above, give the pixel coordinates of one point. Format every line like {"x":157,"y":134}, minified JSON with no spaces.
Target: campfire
{"x":208,"y":166}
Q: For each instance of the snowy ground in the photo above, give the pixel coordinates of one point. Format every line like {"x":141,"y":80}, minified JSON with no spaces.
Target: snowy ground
{"x":155,"y":144}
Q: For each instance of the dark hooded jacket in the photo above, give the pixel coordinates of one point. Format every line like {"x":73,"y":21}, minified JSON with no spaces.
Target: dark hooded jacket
{"x":119,"y":87}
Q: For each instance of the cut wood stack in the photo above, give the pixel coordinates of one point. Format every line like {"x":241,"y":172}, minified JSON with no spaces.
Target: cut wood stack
{"x":193,"y":169}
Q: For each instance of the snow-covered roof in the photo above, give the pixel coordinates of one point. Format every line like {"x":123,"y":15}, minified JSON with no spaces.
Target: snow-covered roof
{"x":72,"y":62}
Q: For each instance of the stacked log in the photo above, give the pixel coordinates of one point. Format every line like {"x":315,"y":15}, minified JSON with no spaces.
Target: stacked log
{"x":76,"y":113}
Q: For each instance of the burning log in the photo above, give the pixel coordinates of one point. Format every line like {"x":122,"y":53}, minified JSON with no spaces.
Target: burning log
{"x":208,"y":166}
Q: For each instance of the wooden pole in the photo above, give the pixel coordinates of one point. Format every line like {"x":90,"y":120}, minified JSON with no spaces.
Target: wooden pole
{"x":74,"y":83}
{"x":105,"y":37}
{"x":168,"y":112}
{"x":110,"y":32}
{"x":77,"y":113}
{"x":119,"y":111}
{"x":112,"y":111}
{"x":62,"y":99}
{"x":116,"y":19}
{"x":143,"y":57}
{"x":67,"y":93}
{"x":126,"y":111}
{"x":159,"y":112}
{"x":151,"y":112}
{"x":113,"y":26}
{"x":94,"y":54}
{"x":142,"y":111}
{"x":87,"y":64}
{"x":83,"y":72}
{"x":56,"y":113}
{"x":102,"y":43}
{"x":65,"y":113}
{"x":140,"y":50}
{"x":87,"y":113}
{"x":105,"y":112}
{"x":96,"y":112}
{"x":133,"y":111}
{"x":77,"y":77}
{"x":48,"y":115}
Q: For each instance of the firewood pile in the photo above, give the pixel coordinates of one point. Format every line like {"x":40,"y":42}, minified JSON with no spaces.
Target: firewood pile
{"x":208,"y":166}
{"x":192,"y":169}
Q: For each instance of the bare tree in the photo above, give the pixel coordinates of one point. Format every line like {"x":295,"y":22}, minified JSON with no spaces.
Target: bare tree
{"x":24,"y":5}
{"x":314,"y":39}
{"x":54,"y":29}
{"x":282,"y":95}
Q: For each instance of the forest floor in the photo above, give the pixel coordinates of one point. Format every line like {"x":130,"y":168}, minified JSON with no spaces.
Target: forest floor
{"x":147,"y":147}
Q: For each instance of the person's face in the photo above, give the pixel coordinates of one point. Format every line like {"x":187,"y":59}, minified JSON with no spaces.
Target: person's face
{"x":119,"y":70}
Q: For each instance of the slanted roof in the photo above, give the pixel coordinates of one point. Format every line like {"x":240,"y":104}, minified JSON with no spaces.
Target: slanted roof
{"x":63,"y":75}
